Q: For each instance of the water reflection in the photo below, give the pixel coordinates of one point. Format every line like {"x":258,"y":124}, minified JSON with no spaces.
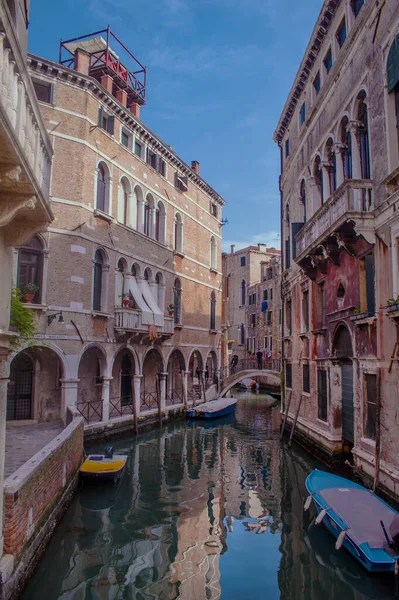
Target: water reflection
{"x":204,"y":511}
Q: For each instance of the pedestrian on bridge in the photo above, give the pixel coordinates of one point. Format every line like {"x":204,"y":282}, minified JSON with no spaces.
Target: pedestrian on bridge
{"x":259,"y":356}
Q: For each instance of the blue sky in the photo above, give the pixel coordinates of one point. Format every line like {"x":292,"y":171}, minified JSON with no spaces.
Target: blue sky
{"x":219,"y":72}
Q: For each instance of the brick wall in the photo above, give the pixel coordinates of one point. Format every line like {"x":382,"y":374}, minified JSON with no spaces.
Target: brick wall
{"x":31,"y":493}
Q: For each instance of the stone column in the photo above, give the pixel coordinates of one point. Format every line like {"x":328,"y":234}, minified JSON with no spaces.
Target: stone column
{"x":339,"y":165}
{"x":356,"y":163}
{"x":105,"y":397}
{"x":140,"y":215}
{"x":202,"y":384}
{"x":185,"y":375}
{"x":69,"y":397}
{"x":4,"y":377}
{"x":326,"y":181}
{"x":162,"y":390}
{"x":137,"y":390}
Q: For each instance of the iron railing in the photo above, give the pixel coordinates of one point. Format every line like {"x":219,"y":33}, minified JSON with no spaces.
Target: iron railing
{"x":92,"y":412}
{"x":120,"y":406}
{"x":148,"y":400}
{"x":247,"y":364}
{"x":174,"y":397}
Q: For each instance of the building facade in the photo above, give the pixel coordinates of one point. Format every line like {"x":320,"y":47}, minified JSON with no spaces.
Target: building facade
{"x":25,"y":166}
{"x":128,"y":278}
{"x":338,"y":139}
{"x":242,"y":270}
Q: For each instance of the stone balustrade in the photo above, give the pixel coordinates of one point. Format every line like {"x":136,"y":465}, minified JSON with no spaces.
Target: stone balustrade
{"x":127,"y":319}
{"x":353,"y":196}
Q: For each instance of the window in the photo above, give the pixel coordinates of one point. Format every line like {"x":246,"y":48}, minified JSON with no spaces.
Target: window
{"x":317,"y":83}
{"x":213,"y":253}
{"x":302,"y":114}
{"x":366,"y":281}
{"x":30,"y":267}
{"x":318,"y":178}
{"x":320,"y":306}
{"x":331,"y":166}
{"x":160,"y":222}
{"x":253,"y":320}
{"x":147,"y":218}
{"x":243,"y":292}
{"x":306,"y":379}
{"x":363,"y":137}
{"x":213,"y":312}
{"x":303,"y":199}
{"x":322,"y":394}
{"x":265,"y":294}
{"x":43,"y":91}
{"x":288,"y":375}
{"x":328,"y":61}
{"x":271,"y":293}
{"x":177,"y":308}
{"x":287,"y":148}
{"x":393,"y":91}
{"x":356,"y":6}
{"x":269,"y":317}
{"x":138,"y":149}
{"x":102,"y":193}
{"x":156,"y":162}
{"x":178,"y":233}
{"x":105,"y":121}
{"x":271,"y":344}
{"x":305,"y":310}
{"x":126,"y":381}
{"x":242,"y":334}
{"x":99,"y":284}
{"x":181,"y":182}
{"x":126,"y":139}
{"x":370,"y":406}
{"x":346,"y":152}
{"x":341,"y":33}
{"x":288,"y":315}
{"x":243,"y":261}
{"x":124,"y":204}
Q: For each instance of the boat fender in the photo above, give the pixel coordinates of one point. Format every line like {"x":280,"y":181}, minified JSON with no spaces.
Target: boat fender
{"x":320,"y":516}
{"x":308,"y":502}
{"x":340,"y":540}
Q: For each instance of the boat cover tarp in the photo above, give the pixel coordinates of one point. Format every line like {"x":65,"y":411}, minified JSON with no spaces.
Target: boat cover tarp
{"x":362,"y":512}
{"x":215,"y":405}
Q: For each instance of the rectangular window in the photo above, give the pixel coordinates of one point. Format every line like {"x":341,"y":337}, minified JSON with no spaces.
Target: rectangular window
{"x":356,"y":6}
{"x":322,"y":394}
{"x":341,"y":33}
{"x":264,"y":294}
{"x":271,"y":344}
{"x":288,"y":253}
{"x":288,"y":375}
{"x":287,"y":148}
{"x":243,"y":261}
{"x":279,"y":316}
{"x":320,"y":306}
{"x":317,"y":83}
{"x":288,"y":317}
{"x":138,"y":149}
{"x":271,"y":293}
{"x":265,"y":342}
{"x":213,"y":209}
{"x":253,"y":320}
{"x":156,"y":162}
{"x":302,"y":114}
{"x":328,"y":61}
{"x":105,"y":121}
{"x":125,"y":139}
{"x":43,"y":91}
{"x":305,"y":311}
{"x":306,"y":379}
{"x":366,"y":282}
{"x":269,"y":317}
{"x":370,"y":406}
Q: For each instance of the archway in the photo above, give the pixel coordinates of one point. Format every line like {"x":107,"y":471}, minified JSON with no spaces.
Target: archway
{"x":174,"y":380}
{"x":34,"y":389}
{"x":195,"y":368}
{"x":150,"y":389}
{"x":91,"y":372}
{"x":343,"y":351}
{"x":211,"y":369}
{"x":121,"y":387}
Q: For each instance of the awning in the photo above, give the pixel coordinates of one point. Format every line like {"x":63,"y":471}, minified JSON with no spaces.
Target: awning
{"x":147,"y":314}
{"x":150,"y":300}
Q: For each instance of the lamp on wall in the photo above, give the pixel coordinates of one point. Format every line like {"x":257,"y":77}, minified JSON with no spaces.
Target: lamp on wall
{"x":50,"y":318}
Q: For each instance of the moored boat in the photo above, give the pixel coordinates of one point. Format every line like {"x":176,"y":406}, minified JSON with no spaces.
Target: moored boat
{"x":213,"y":409}
{"x":107,"y":467}
{"x":359,"y":520}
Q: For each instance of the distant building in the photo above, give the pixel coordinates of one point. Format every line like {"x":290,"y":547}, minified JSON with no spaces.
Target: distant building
{"x":25,"y":166}
{"x":243,"y":269}
{"x":338,"y":137}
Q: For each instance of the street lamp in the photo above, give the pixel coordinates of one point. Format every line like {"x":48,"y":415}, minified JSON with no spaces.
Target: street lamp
{"x":50,"y":318}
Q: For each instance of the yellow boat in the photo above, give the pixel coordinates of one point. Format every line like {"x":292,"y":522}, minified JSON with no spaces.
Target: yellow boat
{"x":103,"y":467}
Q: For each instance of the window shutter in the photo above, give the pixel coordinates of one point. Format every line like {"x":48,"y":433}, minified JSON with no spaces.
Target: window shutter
{"x":111,"y":125}
{"x":295,"y":228}
{"x":393,"y":65}
{"x":100,"y":116}
{"x":287,"y":253}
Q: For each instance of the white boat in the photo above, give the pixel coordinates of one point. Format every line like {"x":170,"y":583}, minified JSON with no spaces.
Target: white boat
{"x":213,"y":409}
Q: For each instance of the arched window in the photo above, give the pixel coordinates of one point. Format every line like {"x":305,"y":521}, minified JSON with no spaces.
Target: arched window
{"x":242,"y":334}
{"x":178,"y":233}
{"x":147,"y":218}
{"x":124,"y":203}
{"x":102,"y":188}
{"x":160,"y":291}
{"x":243,"y":292}
{"x":364,"y":144}
{"x":30,"y":268}
{"x":213,"y":253}
{"x":346,"y":141}
{"x":177,"y":310}
{"x":120,"y":291}
{"x":332,"y":168}
{"x":126,"y":381}
{"x":303,"y":199}
{"x":99,"y":281}
{"x":318,"y":177}
{"x":137,"y":207}
{"x":213,"y":311}
{"x":160,"y":223}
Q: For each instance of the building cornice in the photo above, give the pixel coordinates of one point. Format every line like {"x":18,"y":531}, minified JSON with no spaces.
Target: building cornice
{"x":51,"y":69}
{"x":319,"y":33}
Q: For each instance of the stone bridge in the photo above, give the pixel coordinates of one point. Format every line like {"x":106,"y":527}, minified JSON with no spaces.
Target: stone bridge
{"x":272,"y":378}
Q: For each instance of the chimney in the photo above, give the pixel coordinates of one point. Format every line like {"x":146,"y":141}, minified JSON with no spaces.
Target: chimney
{"x":232,"y":248}
{"x":107,"y":82}
{"x":135,"y":109}
{"x":262,"y":248}
{"x":121,"y":96}
{"x":81,"y":61}
{"x":195,"y":166}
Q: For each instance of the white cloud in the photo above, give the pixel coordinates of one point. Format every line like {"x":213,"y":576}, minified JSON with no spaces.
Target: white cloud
{"x":270,"y":238}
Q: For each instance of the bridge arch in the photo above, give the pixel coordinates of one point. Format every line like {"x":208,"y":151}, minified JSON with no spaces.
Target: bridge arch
{"x":272,"y":379}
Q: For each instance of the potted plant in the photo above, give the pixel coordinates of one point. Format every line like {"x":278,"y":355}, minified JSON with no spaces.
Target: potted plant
{"x":30,"y":291}
{"x":125,"y":299}
{"x":393,"y":304}
{"x":171,"y":309}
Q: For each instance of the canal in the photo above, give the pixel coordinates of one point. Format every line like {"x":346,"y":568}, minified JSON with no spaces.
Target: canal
{"x":203,"y":511}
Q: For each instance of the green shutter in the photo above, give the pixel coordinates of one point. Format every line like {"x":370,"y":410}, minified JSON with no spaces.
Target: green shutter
{"x":393,"y":65}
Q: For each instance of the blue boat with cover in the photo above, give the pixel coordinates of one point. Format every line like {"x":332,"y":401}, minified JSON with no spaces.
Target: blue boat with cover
{"x":213,"y":409}
{"x":360,"y":521}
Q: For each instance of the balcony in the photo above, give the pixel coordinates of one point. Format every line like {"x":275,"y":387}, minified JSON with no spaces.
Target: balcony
{"x":336,"y":226}
{"x":130,"y":321}
{"x":25,"y":149}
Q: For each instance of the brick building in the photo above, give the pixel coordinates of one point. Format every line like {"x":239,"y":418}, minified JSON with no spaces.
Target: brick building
{"x":129,"y":275}
{"x":25,"y":163}
{"x":243,"y":269}
{"x":339,"y":197}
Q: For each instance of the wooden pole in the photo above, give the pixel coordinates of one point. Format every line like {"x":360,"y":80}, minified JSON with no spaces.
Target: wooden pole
{"x":377,"y":431}
{"x":287,"y":408}
{"x":295,"y":420}
{"x":392,"y":356}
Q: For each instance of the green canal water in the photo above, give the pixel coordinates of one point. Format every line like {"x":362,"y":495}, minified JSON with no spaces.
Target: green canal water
{"x":203,"y":511}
